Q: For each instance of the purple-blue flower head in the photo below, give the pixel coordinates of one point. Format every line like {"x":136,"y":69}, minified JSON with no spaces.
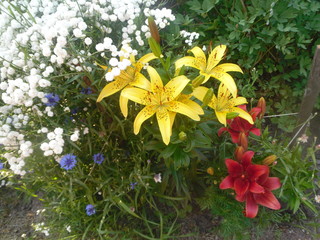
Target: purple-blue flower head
{"x":68,"y":161}
{"x":53,"y":99}
{"x":98,"y":158}
{"x":132,"y":185}
{"x":86,"y":90}
{"x":1,"y":165}
{"x":90,"y":209}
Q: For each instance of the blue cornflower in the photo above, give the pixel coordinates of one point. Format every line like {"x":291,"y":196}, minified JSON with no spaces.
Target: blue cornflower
{"x":86,"y":90}
{"x":53,"y":99}
{"x":68,"y":161}
{"x":74,"y":110}
{"x":98,"y":158}
{"x":1,"y":165}
{"x":132,"y":185}
{"x":90,"y":209}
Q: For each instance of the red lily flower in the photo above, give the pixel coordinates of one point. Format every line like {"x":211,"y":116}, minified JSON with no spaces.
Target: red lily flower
{"x":240,"y":128}
{"x":251,"y":183}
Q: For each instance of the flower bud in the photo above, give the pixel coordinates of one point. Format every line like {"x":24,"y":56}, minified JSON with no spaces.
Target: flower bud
{"x":269,"y":160}
{"x":238,"y":153}
{"x":210,"y":170}
{"x":197,"y":81}
{"x":243,"y":140}
{"x":155,"y":47}
{"x":153,"y":29}
{"x":182,"y":136}
{"x":262,"y":105}
{"x":207,"y":98}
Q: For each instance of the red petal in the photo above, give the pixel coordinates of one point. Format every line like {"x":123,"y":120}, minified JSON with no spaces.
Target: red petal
{"x":234,"y":168}
{"x":263,"y":178}
{"x":243,"y":107}
{"x":234,"y":135}
{"x":255,"y":131}
{"x":272,"y":183}
{"x":246,"y":158}
{"x":255,"y":171}
{"x":251,"y":207}
{"x":227,"y":183}
{"x":254,"y":112}
{"x":241,"y":186}
{"x":222,"y":130}
{"x":241,"y":198}
{"x":267,"y":199}
{"x":256,"y":188}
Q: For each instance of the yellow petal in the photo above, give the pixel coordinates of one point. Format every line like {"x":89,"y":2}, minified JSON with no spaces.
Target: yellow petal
{"x":213,"y":102}
{"x":137,"y":95}
{"x":102,"y":66}
{"x":132,"y":59}
{"x":239,"y":101}
{"x":187,"y":61}
{"x":243,"y":114}
{"x":227,"y":80}
{"x":206,"y":76}
{"x":222,"y":117}
{"x":141,"y":82}
{"x":143,"y":115}
{"x":124,"y":105}
{"x":194,"y":106}
{"x":112,"y":88}
{"x":215,"y":56}
{"x":156,"y":81}
{"x":182,"y":108}
{"x":164,"y":123}
{"x":201,"y":60}
{"x":143,"y":60}
{"x":172,"y":116}
{"x":200,"y":92}
{"x":175,"y":86}
{"x":228,"y":67}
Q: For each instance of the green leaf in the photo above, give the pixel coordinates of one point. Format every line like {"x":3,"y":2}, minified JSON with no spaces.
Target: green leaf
{"x":180,"y":159}
{"x":207,"y":5}
{"x":168,"y":151}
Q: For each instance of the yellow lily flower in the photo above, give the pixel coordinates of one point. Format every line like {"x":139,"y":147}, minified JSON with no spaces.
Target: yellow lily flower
{"x":211,"y":68}
{"x":131,"y":76}
{"x":224,"y":103}
{"x":162,"y":101}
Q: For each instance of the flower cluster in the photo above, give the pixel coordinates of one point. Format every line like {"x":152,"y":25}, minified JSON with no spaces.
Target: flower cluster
{"x":55,"y":144}
{"x":251,"y":183}
{"x":190,"y":36}
{"x":167,"y":100}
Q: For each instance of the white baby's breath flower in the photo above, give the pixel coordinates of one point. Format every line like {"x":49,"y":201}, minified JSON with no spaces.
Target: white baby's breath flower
{"x":87,"y":41}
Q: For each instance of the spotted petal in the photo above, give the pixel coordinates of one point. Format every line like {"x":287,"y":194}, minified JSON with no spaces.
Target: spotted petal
{"x":143,"y":60}
{"x":112,"y":88}
{"x":228,"y":67}
{"x":175,"y":86}
{"x":156,"y":81}
{"x":141,"y":82}
{"x":200,"y":57}
{"x":182,"y":108}
{"x":124,"y":105}
{"x":226,"y":79}
{"x":164,"y":123}
{"x":136,"y":94}
{"x":215,"y":56}
{"x":186,"y":61}
{"x":143,"y":115}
